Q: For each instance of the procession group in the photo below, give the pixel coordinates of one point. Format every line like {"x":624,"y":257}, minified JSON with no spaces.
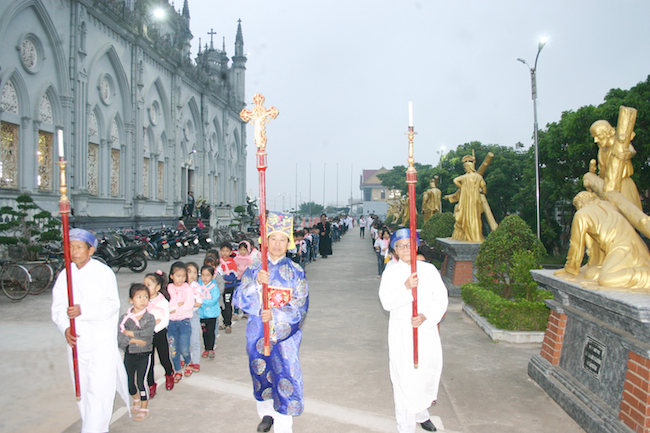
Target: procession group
{"x":177,"y":316}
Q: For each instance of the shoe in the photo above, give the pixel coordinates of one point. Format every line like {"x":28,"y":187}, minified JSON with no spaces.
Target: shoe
{"x":235,"y":317}
{"x":266,"y":424}
{"x":204,"y":354}
{"x":178,"y":376}
{"x":169,"y":382}
{"x":244,"y":316}
{"x":228,"y":330}
{"x":428,"y":425}
{"x":211,"y":354}
{"x":195,"y":367}
{"x":142,"y":415}
{"x":152,"y":390}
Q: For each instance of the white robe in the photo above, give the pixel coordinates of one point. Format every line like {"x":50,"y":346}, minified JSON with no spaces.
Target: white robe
{"x":414,"y":389}
{"x":101,"y":369}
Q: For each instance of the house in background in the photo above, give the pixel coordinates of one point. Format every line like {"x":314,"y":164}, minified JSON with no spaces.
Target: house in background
{"x":374,"y":195}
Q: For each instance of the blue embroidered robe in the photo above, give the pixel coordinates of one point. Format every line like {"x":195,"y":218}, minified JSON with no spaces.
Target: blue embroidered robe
{"x":277,"y":376}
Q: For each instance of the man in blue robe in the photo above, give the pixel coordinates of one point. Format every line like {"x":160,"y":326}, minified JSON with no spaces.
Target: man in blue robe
{"x":277,"y":379}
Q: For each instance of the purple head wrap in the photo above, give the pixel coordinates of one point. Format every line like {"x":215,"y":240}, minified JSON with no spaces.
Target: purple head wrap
{"x":84,"y":236}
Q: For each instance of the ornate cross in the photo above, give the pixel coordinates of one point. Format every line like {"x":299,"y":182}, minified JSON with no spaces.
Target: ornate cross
{"x":260,"y":116}
{"x":211,"y":33}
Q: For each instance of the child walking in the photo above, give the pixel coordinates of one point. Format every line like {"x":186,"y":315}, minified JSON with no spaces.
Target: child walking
{"x":181,"y":304}
{"x":159,"y":308}
{"x":195,"y":321}
{"x":228,"y":270}
{"x":135,"y":337}
{"x":210,"y":309}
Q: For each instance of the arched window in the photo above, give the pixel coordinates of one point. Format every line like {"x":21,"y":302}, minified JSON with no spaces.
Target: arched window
{"x":9,"y":145}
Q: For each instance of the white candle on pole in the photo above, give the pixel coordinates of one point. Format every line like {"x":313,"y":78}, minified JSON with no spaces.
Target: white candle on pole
{"x":60,"y":140}
{"x":411,"y":113}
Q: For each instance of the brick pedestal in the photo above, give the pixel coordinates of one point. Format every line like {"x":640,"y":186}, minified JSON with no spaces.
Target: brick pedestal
{"x":595,"y":359}
{"x":458,"y":266}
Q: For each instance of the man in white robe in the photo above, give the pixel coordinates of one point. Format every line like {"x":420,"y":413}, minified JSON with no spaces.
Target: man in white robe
{"x":414,"y":389}
{"x":96,"y":313}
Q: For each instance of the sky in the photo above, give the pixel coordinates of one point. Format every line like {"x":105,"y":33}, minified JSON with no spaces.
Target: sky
{"x":341,"y":74}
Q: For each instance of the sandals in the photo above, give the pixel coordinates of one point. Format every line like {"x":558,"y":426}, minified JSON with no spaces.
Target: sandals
{"x":228,"y":330}
{"x":141,"y":415}
{"x":188,"y":371}
{"x":205,"y":354}
{"x":196,"y":367}
{"x":221,"y":327}
{"x":177,"y":377}
{"x":211,"y":354}
{"x":136,"y":407}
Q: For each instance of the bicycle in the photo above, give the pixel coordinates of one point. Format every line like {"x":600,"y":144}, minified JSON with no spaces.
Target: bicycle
{"x":14,"y":280}
{"x":44,"y":273}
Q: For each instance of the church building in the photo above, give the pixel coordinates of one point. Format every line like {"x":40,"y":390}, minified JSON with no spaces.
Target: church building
{"x":143,"y":123}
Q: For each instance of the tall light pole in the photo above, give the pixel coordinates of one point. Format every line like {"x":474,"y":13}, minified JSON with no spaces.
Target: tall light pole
{"x":533,"y":84}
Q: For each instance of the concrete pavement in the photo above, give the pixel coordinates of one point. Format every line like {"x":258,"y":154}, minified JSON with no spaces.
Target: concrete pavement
{"x":485,"y":387}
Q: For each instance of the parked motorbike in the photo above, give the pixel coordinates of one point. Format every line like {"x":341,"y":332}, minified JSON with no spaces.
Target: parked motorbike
{"x":133,"y":257}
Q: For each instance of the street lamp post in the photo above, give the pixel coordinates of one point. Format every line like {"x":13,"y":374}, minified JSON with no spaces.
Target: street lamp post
{"x":533,"y":84}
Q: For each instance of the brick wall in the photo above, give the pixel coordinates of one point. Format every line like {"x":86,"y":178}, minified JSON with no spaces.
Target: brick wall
{"x":554,"y":337}
{"x":463,"y":273}
{"x":635,"y":405}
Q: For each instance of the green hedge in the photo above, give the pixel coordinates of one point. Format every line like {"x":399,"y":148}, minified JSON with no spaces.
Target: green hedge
{"x":519,"y":315}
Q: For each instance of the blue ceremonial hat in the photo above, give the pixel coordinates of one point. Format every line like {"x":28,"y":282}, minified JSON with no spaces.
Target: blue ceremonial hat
{"x":403,"y":234}
{"x":84,"y":236}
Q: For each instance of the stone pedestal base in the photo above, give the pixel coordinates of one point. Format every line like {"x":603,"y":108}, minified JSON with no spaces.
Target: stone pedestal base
{"x":458,"y":266}
{"x":595,"y":359}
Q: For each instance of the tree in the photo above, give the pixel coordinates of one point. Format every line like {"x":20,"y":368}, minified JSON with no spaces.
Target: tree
{"x":565,"y":149}
{"x":310,"y":209}
{"x":506,"y":170}
{"x":18,"y":229}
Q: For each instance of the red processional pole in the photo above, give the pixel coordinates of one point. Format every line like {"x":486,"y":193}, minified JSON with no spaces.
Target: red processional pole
{"x":64,"y":210}
{"x":260,"y":116}
{"x":411,"y":180}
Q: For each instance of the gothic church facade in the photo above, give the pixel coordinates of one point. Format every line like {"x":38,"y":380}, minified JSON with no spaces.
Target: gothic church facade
{"x":142,"y":123}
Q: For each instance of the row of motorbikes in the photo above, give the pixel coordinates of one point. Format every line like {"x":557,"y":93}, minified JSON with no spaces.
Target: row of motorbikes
{"x":132,"y":249}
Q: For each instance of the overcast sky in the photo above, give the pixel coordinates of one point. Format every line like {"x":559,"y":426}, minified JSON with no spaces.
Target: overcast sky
{"x":341,"y":73}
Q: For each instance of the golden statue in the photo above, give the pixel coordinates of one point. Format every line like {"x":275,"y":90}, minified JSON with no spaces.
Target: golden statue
{"x":405,"y":210}
{"x":431,"y":199}
{"x":608,"y":214}
{"x":471,"y":201}
{"x":394,"y":209}
{"x":616,"y":167}
{"x":617,"y":256}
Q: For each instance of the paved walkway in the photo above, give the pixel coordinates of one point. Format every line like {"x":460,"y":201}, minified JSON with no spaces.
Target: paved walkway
{"x":485,"y":387}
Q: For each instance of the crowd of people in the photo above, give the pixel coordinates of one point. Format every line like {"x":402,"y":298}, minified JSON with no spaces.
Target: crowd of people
{"x":177,"y":315}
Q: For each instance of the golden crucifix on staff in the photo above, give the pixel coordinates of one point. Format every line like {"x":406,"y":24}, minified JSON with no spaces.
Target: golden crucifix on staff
{"x":261,"y":116}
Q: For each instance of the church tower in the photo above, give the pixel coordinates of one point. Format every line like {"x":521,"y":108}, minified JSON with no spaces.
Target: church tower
{"x":239,"y":66}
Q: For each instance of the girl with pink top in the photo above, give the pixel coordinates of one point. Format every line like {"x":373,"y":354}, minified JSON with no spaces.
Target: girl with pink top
{"x":181,"y":304}
{"x":159,"y":306}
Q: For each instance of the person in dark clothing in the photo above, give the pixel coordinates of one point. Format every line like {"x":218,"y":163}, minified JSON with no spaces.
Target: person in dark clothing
{"x":325,"y":243}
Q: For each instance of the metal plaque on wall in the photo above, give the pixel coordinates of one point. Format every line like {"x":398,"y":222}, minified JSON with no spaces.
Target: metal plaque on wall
{"x":593,"y":356}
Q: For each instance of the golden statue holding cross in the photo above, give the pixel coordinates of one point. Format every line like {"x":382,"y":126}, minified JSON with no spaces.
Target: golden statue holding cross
{"x":260,"y":116}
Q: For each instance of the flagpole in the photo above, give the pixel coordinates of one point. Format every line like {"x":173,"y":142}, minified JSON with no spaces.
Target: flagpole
{"x":64,"y":210}
{"x":261,"y":116}
{"x":411,"y":180}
